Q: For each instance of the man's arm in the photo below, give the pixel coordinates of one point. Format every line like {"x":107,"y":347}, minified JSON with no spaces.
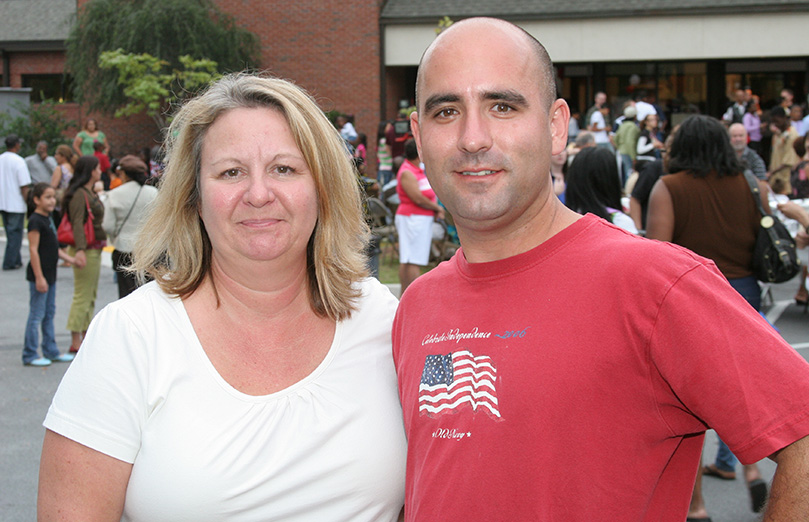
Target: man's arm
{"x":757,"y":165}
{"x":789,"y":496}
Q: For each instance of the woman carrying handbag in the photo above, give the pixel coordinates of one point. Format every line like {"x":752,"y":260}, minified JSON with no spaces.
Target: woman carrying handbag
{"x":126,"y":208}
{"x":79,"y":197}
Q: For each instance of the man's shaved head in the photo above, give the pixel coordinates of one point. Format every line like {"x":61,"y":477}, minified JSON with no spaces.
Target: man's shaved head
{"x":547,"y":79}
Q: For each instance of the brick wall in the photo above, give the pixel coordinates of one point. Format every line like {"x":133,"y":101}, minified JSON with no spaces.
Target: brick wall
{"x":328,"y":47}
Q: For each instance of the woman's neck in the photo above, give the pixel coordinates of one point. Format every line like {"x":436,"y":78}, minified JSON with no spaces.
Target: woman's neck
{"x":259,"y":290}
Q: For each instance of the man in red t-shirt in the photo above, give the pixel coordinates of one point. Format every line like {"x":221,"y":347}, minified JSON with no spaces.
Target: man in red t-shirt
{"x":558,"y":368}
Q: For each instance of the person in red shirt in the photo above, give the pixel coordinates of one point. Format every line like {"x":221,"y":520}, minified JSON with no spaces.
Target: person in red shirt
{"x":103,"y":162}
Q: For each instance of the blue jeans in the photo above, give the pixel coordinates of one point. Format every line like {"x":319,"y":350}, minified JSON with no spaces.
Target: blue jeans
{"x":43,"y":309}
{"x":384,"y":176}
{"x":749,"y":289}
{"x":626,"y":168}
{"x":13,"y":222}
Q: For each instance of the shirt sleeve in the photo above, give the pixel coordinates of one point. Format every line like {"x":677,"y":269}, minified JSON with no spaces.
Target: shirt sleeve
{"x":101,"y":402}
{"x":729,"y":370}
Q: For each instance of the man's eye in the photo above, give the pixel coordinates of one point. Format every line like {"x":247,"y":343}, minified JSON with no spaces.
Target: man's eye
{"x":445,"y":113}
{"x":502,"y":107}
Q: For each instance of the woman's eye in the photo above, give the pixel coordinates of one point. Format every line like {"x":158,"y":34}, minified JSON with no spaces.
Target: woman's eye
{"x":284,"y":169}
{"x":230,"y":173}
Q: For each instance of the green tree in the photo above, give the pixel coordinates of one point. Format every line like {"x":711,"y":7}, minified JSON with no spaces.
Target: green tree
{"x":150,"y":85}
{"x":164,"y":29}
{"x":37,"y":122}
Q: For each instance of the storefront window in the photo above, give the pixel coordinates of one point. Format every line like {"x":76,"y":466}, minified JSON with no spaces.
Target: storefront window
{"x":682,"y":89}
{"x":766,"y":79}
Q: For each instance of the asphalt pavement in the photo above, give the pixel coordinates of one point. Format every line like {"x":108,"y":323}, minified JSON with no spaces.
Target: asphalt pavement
{"x":26,"y":392}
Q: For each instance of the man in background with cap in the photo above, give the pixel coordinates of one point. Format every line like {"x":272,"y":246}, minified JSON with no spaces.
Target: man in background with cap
{"x":14,"y":183}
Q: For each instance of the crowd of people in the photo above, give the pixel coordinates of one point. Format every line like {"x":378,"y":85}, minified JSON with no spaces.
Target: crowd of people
{"x":253,"y":352}
{"x":76,"y":186}
{"x":771,"y":144}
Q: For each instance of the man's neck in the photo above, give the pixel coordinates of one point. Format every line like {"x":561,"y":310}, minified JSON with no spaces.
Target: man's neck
{"x":481,"y":246}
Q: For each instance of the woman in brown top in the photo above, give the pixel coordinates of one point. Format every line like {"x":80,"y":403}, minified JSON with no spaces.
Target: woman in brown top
{"x":87,"y":266}
{"x":706,"y":205}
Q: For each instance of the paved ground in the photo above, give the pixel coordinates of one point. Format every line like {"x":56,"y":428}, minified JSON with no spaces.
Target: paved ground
{"x":25,"y":394}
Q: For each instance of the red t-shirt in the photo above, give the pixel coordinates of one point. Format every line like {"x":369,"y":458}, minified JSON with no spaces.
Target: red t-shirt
{"x":103,"y":161}
{"x":575,"y":381}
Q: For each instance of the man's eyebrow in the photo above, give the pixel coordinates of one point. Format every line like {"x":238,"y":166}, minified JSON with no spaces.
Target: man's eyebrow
{"x":437,"y":99}
{"x":508,"y":96}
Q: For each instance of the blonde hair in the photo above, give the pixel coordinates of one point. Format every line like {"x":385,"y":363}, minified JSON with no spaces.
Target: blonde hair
{"x":175,"y":249}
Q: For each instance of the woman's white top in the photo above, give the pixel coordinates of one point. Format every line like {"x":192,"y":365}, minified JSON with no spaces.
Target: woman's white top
{"x":117,"y":205}
{"x":330,"y":447}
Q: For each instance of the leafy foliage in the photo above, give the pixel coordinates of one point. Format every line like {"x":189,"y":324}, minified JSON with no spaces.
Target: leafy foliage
{"x":37,"y":122}
{"x":151,"y":86}
{"x":443,"y":24}
{"x":164,"y":29}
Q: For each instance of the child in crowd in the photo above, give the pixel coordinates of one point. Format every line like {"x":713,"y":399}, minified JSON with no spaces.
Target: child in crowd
{"x":361,"y":151}
{"x":41,"y":274}
{"x":104,"y":163}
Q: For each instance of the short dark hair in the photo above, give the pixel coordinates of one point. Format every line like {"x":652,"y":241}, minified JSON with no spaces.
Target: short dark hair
{"x":778,"y":112}
{"x":593,"y":183}
{"x":12,"y":140}
{"x":701,"y":145}
{"x":410,"y":149}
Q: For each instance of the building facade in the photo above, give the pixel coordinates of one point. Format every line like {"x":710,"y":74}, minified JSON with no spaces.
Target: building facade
{"x":360,"y":57}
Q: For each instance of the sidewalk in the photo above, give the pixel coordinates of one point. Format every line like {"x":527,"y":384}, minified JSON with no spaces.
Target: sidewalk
{"x":26,"y":392}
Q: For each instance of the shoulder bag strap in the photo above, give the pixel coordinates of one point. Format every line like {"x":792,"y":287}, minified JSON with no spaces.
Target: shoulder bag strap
{"x":752,"y":181}
{"x":118,"y":230}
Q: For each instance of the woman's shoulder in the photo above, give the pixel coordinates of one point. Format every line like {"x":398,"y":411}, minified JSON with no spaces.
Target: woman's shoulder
{"x":148,"y":304}
{"x":376,"y":302}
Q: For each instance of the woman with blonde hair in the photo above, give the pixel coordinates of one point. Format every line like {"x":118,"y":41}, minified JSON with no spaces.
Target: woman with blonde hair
{"x":253,"y":378}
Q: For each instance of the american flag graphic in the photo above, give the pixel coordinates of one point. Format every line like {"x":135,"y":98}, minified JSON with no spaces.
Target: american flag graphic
{"x":458,"y":378}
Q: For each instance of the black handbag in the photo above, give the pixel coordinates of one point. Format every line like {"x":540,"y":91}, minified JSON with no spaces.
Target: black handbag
{"x":775,"y":258}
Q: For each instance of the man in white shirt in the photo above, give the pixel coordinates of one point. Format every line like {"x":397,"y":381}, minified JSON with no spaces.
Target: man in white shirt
{"x":14,"y":182}
{"x":40,"y":165}
{"x":599,"y":128}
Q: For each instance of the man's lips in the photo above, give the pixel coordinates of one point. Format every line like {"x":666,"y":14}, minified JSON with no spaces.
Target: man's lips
{"x":477,"y":172}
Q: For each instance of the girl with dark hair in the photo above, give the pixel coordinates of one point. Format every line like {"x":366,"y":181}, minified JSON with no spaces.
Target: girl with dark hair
{"x":80,"y":197}
{"x":125,"y":211}
{"x":650,"y":143}
{"x":706,"y":205}
{"x":594,"y":186}
{"x":41,"y":276}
